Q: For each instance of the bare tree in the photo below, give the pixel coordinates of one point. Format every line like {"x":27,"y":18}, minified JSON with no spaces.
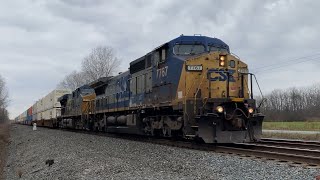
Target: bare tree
{"x":4,"y":96}
{"x":4,"y":100}
{"x":101,"y":62}
{"x":73,"y":80}
{"x":293,"y":104}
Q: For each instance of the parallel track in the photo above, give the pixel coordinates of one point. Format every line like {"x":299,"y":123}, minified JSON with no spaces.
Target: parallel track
{"x":293,"y":156}
{"x":315,"y":145}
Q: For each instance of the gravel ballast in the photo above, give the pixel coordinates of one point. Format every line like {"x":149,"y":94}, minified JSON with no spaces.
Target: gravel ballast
{"x":83,"y":156}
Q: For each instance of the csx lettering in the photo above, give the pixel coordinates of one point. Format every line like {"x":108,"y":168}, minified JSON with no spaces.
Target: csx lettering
{"x":220,"y":75}
{"x":162,"y":72}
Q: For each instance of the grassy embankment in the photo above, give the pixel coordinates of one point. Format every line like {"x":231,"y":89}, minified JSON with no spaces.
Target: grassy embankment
{"x":4,"y":139}
{"x":294,"y":126}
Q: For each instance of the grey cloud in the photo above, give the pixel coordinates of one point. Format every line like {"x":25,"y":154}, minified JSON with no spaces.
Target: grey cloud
{"x":48,"y":39}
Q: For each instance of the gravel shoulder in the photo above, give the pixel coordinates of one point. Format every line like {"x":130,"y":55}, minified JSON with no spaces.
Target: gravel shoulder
{"x":83,"y":156}
{"x":4,"y":139}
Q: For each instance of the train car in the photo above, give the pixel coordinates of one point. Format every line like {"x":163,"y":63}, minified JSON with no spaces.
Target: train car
{"x":34,"y":112}
{"x":48,"y":108}
{"x":77,"y":108}
{"x":29,"y":116}
{"x":190,"y":87}
{"x":24,"y":117}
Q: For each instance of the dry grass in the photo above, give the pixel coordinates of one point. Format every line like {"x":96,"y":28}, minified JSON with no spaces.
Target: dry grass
{"x":310,"y":137}
{"x":4,"y":140}
{"x":296,"y":126}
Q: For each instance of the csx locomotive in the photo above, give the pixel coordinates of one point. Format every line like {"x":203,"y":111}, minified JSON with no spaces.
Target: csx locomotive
{"x":190,"y":87}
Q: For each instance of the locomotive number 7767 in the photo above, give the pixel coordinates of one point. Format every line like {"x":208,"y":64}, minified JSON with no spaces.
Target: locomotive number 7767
{"x":162,"y":72}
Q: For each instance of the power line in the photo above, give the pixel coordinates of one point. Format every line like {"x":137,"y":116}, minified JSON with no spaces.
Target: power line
{"x":287,"y":62}
{"x":285,"y":65}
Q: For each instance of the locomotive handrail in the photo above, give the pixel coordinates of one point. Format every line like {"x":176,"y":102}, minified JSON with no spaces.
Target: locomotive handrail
{"x":263,"y":98}
{"x":196,"y":94}
{"x":251,"y":84}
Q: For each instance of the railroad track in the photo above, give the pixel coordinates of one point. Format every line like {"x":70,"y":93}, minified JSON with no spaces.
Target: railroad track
{"x":283,"y":151}
{"x":292,"y":156}
{"x":292,"y":143}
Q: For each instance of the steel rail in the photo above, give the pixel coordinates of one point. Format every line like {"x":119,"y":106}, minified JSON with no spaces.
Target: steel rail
{"x":290,"y":141}
{"x":298,"y":159}
{"x":300,"y":145}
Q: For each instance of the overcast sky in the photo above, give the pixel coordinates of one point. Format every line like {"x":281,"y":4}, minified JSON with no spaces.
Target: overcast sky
{"x":42,"y":41}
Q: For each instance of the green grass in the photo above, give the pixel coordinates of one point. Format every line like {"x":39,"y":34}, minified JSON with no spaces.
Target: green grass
{"x":296,"y":126}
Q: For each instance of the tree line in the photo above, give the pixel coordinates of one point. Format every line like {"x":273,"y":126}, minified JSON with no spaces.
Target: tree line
{"x":4,"y":101}
{"x":101,"y":62}
{"x":292,"y":104}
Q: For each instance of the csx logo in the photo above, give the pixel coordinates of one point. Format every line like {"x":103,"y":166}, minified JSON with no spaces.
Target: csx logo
{"x":220,"y":75}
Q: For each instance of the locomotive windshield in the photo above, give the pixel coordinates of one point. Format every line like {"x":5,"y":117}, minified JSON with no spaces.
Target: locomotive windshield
{"x":188,"y":49}
{"x":214,"y":48}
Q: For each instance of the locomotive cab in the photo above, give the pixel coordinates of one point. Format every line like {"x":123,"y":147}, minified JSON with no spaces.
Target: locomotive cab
{"x":214,"y":88}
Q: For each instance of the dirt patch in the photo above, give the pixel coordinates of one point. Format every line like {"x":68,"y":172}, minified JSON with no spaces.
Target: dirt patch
{"x":4,"y":140}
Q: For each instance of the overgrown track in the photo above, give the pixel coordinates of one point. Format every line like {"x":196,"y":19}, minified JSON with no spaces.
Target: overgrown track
{"x":280,"y":153}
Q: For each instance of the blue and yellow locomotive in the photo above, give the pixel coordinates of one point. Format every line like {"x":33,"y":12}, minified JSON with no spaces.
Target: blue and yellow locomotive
{"x":190,"y":87}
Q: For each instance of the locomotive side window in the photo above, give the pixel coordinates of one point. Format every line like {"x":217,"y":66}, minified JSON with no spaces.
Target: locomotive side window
{"x":156,"y":57}
{"x":148,"y":62}
{"x":163,"y":55}
{"x":232,"y":64}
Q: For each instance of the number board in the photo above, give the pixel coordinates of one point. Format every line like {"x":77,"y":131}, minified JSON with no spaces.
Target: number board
{"x":194,"y":67}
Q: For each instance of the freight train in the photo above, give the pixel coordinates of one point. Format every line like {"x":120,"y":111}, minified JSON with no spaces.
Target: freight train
{"x":191,"y":87}
{"x":44,"y":111}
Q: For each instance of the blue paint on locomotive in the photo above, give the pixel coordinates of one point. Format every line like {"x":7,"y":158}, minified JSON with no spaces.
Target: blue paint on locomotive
{"x":165,"y":76}
{"x":221,"y":75}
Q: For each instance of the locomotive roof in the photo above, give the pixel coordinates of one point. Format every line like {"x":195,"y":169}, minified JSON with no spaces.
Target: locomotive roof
{"x":191,"y":39}
{"x":100,"y":81}
{"x":199,"y":39}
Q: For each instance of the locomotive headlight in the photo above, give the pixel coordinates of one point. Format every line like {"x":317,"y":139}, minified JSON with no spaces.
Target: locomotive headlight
{"x":222,"y":59}
{"x":250,"y":110}
{"x":219,"y":109}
